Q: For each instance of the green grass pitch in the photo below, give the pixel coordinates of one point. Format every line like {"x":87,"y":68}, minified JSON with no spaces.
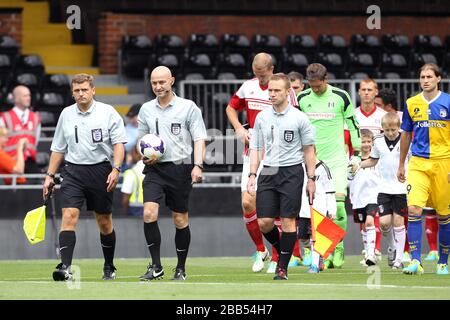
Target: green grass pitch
{"x":218,"y":279}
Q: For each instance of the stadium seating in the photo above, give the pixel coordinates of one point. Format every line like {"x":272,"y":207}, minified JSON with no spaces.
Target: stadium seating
{"x":300,"y":44}
{"x":168,"y":43}
{"x":332,"y":44}
{"x":270,"y":44}
{"x":234,"y":63}
{"x":136,"y":51}
{"x":235,"y":43}
{"x":295,"y":62}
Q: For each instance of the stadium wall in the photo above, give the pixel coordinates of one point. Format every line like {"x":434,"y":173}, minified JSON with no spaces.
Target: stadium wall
{"x":113,"y":26}
{"x":11,"y":23}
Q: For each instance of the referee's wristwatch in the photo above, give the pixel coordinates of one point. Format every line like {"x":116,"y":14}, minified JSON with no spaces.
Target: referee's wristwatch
{"x":313,"y":178}
{"x":199,"y":165}
{"x":117,"y":168}
{"x":51,"y":175}
{"x":252,"y":174}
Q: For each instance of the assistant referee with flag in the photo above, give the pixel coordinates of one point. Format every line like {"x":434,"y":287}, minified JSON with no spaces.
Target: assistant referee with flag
{"x":89,"y":137}
{"x":286,"y":136}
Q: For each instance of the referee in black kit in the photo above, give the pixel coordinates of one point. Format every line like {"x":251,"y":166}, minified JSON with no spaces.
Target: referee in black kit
{"x":88,"y":137}
{"x":287,"y":138}
{"x":177,"y":121}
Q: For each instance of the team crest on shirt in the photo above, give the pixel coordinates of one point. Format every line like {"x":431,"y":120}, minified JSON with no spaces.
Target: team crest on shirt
{"x":288,"y":135}
{"x":97,"y":135}
{"x":443,"y":113}
{"x":330,"y":104}
{"x":381,"y":208}
{"x":175,"y":128}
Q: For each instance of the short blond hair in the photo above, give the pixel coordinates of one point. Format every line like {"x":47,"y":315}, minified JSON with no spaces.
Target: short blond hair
{"x":82,"y":78}
{"x":369,"y":80}
{"x":281,"y":76}
{"x":390,"y":117}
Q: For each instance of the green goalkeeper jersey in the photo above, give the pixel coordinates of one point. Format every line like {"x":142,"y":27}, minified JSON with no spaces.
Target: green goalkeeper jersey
{"x":328,"y":113}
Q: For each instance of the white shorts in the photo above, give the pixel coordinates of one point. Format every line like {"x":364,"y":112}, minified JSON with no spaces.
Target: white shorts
{"x":246,"y":171}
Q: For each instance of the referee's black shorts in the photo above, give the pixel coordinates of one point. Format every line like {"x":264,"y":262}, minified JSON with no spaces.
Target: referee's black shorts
{"x":173,"y":180}
{"x":279,"y":192}
{"x":88,"y":182}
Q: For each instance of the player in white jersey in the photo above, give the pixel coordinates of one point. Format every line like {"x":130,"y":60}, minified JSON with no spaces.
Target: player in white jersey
{"x":392,"y":196}
{"x":253,"y":97}
{"x":324,"y":203}
{"x":368,"y":114}
{"x":363,"y":197}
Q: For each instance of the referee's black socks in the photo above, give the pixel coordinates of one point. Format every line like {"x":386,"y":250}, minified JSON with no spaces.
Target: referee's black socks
{"x":182,"y":241}
{"x":67,"y":241}
{"x":287,"y":245}
{"x":153,"y":237}
{"x":108,"y":242}
{"x":273,"y":237}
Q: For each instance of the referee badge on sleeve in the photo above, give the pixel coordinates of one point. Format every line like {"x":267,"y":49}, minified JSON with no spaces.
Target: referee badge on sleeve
{"x":288,"y":135}
{"x":97,"y":135}
{"x":175,"y":128}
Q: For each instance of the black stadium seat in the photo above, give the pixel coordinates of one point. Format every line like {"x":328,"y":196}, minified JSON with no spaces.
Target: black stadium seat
{"x":334,"y":62}
{"x":396,"y":44}
{"x":30,"y":64}
{"x":234,"y":63}
{"x":136,"y":51}
{"x":300,"y":44}
{"x":332,"y":43}
{"x":295,"y":61}
{"x":168,"y":43}
{"x":203,"y":43}
{"x":362,"y":63}
{"x":235,"y":43}
{"x":267,"y":43}
{"x":199,"y":63}
{"x":395,"y":62}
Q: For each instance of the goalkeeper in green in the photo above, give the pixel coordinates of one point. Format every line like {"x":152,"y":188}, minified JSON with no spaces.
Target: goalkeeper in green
{"x":329,"y":108}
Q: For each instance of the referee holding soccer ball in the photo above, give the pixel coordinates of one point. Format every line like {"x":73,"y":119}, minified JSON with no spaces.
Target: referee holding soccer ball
{"x":287,"y":138}
{"x":89,"y":137}
{"x":177,"y":121}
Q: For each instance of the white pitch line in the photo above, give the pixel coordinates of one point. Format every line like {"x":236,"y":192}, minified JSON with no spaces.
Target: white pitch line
{"x":153,"y":283}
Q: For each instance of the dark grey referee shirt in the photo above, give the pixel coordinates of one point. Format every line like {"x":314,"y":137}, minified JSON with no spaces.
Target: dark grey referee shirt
{"x":88,"y":137}
{"x":282,"y":135}
{"x":177,"y":124}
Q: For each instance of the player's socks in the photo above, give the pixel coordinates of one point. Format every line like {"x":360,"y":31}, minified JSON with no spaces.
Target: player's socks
{"x":444,"y":239}
{"x":399,"y":236}
{"x":251,"y":223}
{"x":286,"y":245}
{"x":370,"y":240}
{"x":275,"y":256}
{"x":296,"y":251}
{"x":315,"y":258}
{"x":341,"y":219}
{"x":431,"y":230}
{"x":377,"y":233}
{"x":67,"y":240}
{"x":415,"y":236}
{"x":273,"y":237}
{"x":364,"y":239}
{"x":108,"y":243}
{"x":405,"y":218}
{"x":389,"y":234}
{"x":153,"y":237}
{"x":182,"y":241}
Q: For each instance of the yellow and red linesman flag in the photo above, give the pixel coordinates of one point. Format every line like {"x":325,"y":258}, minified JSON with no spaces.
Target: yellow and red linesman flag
{"x":326,"y":234}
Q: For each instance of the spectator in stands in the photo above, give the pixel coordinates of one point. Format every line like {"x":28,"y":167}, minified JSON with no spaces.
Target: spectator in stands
{"x":22,"y":122}
{"x":132,"y":193}
{"x":131,"y":129}
{"x":296,"y":79}
{"x":8,"y":164}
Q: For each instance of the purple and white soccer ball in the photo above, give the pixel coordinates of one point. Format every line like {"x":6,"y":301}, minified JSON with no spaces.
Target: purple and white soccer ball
{"x":151,"y":146}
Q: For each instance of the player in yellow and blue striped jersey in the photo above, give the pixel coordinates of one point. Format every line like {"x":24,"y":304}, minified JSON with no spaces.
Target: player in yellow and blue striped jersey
{"x":426,"y":122}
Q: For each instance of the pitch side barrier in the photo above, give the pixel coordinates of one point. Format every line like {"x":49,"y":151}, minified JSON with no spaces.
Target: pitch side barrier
{"x":212,"y":96}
